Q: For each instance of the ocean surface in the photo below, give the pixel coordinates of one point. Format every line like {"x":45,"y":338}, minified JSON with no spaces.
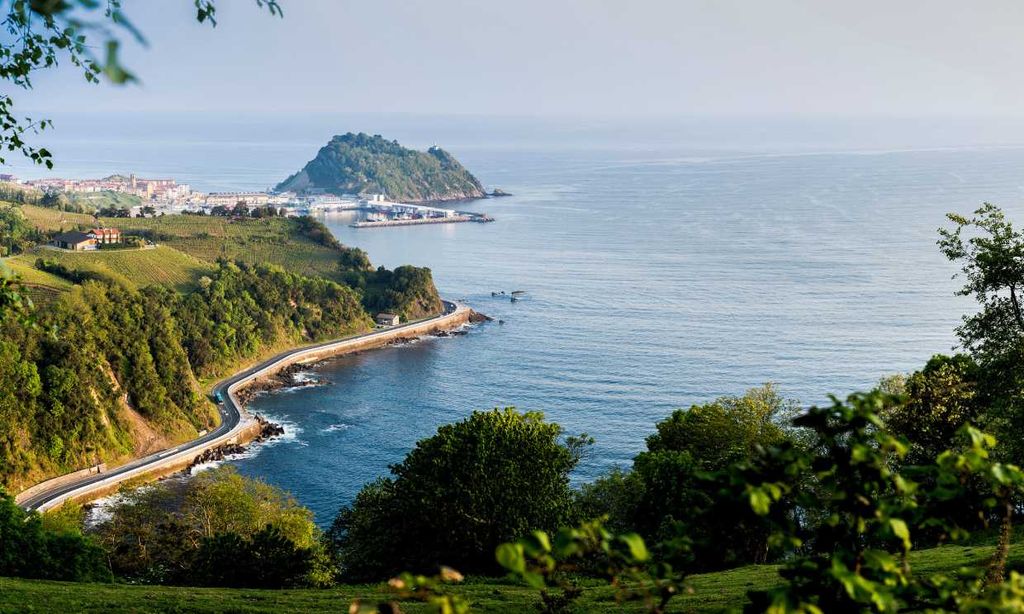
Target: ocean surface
{"x":665,"y":265}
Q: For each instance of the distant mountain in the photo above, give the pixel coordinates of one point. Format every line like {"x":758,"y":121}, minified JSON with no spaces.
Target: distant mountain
{"x":360,"y":163}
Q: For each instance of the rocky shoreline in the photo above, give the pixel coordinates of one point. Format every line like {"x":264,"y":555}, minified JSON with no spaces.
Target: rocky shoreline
{"x":268,"y":430}
{"x":285,"y":378}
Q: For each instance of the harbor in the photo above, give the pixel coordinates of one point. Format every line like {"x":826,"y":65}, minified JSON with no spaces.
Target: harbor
{"x":423,"y":220}
{"x":383,"y":213}
{"x":130,"y":196}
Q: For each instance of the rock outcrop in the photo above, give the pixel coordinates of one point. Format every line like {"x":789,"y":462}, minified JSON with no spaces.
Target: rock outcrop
{"x":360,"y":163}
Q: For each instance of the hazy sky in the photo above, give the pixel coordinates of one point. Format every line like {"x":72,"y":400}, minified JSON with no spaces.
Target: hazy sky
{"x":569,"y":57}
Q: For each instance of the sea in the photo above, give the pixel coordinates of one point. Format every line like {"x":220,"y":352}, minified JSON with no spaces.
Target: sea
{"x":665,"y":262}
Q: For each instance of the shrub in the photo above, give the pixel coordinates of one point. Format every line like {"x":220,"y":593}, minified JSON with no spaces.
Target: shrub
{"x":491,"y":478}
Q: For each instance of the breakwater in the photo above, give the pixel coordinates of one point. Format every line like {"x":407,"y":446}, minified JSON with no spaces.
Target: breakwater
{"x":455,"y":219}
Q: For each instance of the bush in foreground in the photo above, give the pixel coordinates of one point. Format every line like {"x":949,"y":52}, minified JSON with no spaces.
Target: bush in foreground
{"x":491,"y":478}
{"x":30,"y":548}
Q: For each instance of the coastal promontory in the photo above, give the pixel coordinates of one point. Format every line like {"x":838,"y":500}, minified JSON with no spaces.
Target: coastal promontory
{"x":360,"y":163}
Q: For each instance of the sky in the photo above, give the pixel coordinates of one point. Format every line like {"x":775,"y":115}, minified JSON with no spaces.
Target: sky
{"x":634,"y":58}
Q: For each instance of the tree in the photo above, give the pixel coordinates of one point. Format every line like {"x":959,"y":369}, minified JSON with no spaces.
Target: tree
{"x":940,"y":399}
{"x":41,"y":34}
{"x":221,"y":501}
{"x":990,"y":252}
{"x":221,"y":529}
{"x":29,"y":549}
{"x":672,"y":491}
{"x":490,"y":478}
{"x":991,"y":255}
{"x":267,"y":559}
{"x":860,"y":514}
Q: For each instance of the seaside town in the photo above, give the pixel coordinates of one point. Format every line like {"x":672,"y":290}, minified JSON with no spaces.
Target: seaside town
{"x":167,"y":196}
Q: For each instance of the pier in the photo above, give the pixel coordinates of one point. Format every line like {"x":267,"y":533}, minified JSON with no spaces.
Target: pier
{"x":452,"y":219}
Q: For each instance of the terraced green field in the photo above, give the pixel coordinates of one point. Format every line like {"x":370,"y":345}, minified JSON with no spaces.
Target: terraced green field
{"x":271,"y":240}
{"x":48,"y":219}
{"x":161,"y":265}
{"x":40,"y":286}
{"x":28,"y":274}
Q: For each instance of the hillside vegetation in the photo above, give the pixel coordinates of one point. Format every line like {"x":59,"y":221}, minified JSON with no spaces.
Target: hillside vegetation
{"x":110,"y":358}
{"x":357,"y":163}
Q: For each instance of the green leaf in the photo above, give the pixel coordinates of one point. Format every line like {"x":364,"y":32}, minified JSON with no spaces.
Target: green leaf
{"x":760,"y":502}
{"x":510,"y":556}
{"x":637,"y":547}
{"x":536,"y":543}
{"x":900,"y":530}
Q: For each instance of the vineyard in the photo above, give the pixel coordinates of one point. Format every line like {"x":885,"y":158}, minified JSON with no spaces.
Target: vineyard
{"x":188,"y":248}
{"x":268,"y":240}
{"x":28,"y":274}
{"x":47,"y":219}
{"x":162,"y":265}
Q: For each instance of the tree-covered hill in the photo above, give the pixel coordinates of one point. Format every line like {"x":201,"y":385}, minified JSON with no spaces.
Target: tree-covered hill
{"x":360,"y":163}
{"x":107,"y":365}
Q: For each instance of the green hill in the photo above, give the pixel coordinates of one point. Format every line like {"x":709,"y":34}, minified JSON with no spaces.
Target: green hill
{"x":358,"y":163}
{"x":242,"y":287}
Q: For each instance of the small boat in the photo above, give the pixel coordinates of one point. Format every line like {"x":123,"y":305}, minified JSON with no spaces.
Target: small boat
{"x":501,"y":293}
{"x":518,"y":292}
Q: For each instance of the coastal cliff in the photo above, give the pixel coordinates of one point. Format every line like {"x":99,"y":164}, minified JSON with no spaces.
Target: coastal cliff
{"x":360,"y":163}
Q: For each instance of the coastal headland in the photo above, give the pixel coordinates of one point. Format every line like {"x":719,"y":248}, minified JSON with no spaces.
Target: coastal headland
{"x":237,"y":426}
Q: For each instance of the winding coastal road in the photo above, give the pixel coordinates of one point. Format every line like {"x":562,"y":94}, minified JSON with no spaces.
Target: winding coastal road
{"x":234,"y":419}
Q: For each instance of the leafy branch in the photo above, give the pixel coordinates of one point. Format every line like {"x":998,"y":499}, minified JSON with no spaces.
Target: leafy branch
{"x":43,"y":33}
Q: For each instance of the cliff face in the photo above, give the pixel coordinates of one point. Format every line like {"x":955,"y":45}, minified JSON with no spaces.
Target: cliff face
{"x":359,"y":163}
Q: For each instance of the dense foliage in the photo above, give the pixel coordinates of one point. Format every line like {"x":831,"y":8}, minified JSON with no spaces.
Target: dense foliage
{"x":407,"y":290}
{"x":219,"y":529}
{"x":990,"y":252}
{"x":31,"y":549}
{"x":672,"y":490}
{"x":105,"y":352}
{"x":16,"y":233}
{"x":360,"y":163}
{"x":489,"y":478}
{"x":245,"y":308}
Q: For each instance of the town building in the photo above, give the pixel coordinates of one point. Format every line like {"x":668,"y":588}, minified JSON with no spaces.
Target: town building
{"x":74,"y":241}
{"x":105,"y":236}
{"x":78,"y":241}
{"x":388,"y":319}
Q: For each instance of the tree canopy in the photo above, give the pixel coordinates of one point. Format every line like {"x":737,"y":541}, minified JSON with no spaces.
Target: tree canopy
{"x":490,"y":478}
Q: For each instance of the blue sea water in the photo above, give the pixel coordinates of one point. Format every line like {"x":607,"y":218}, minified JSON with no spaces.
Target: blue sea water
{"x":665,"y":265}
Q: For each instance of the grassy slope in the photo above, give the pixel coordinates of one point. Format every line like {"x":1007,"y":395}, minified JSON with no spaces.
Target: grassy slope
{"x":189,"y":245}
{"x":162,"y":265}
{"x":48,"y":219}
{"x":92,"y":201}
{"x":41,"y":287}
{"x":24,"y":268}
{"x":270,"y":240}
{"x":711,"y":592}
